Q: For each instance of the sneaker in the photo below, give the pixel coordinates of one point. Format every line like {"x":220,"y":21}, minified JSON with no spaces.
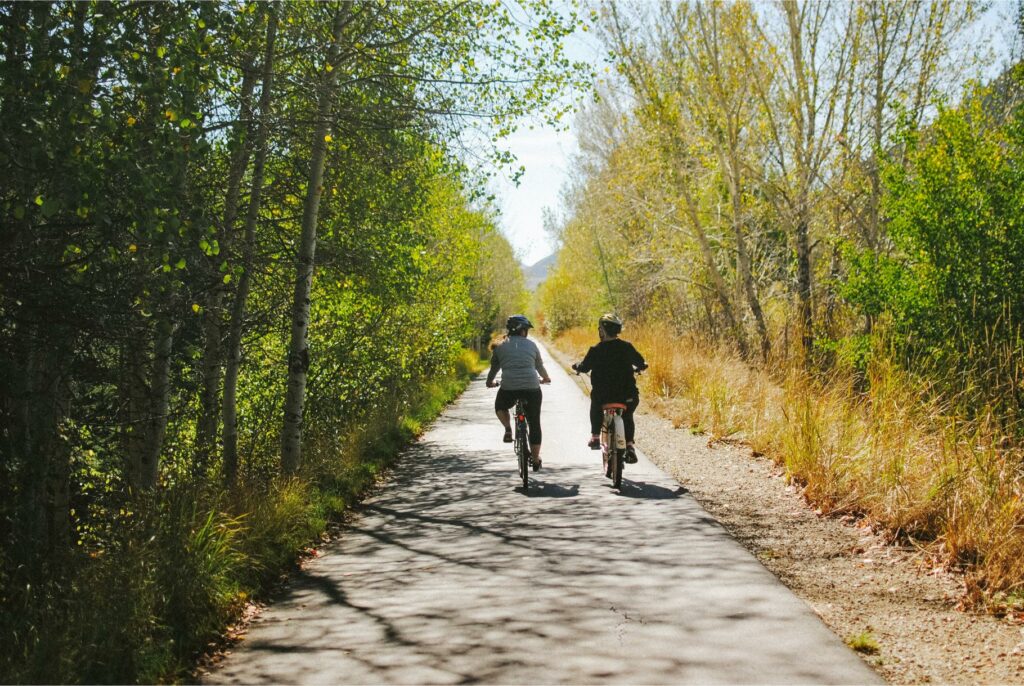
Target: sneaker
{"x":536,"y":464}
{"x":594,"y":444}
{"x":507,"y":438}
{"x":630,"y":455}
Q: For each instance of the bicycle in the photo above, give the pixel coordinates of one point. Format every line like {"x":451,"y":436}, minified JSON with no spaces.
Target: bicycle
{"x":613,"y":442}
{"x":613,"y":437}
{"x":521,"y":444}
{"x":521,"y":441}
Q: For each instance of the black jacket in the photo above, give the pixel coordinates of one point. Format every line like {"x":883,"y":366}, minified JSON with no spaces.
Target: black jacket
{"x":612,"y":364}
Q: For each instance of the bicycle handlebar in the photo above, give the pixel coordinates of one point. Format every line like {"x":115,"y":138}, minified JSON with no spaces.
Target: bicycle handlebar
{"x":636,"y":370}
{"x":497,"y":383}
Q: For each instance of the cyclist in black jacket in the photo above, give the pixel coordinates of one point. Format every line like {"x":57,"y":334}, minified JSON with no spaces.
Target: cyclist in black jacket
{"x":612,"y":364}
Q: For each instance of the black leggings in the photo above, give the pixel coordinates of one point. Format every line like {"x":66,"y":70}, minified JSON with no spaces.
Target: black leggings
{"x":533,"y":397}
{"x":597,"y":415}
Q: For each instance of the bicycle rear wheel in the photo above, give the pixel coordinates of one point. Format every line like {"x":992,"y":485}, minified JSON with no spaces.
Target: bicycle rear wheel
{"x":613,"y":466}
{"x":524,"y":459}
{"x":522,"y":447}
{"x":616,"y":455}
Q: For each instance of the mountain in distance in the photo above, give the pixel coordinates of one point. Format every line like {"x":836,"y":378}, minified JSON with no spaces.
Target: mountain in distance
{"x":537,"y":272}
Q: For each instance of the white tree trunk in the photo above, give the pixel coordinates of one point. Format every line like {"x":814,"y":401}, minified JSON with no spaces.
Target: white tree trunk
{"x":298,"y":350}
{"x":213,"y":332}
{"x":234,"y":353}
{"x":149,"y":405}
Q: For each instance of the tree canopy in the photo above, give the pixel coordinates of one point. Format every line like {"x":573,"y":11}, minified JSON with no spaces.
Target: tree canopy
{"x":241,"y":243}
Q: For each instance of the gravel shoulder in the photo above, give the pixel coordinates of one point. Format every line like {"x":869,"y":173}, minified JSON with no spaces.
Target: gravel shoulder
{"x":846,"y":572}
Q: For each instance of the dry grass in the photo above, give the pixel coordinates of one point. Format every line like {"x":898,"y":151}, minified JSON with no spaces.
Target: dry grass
{"x":891,"y":453}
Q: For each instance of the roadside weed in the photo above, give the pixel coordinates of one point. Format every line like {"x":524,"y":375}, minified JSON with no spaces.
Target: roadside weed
{"x":864,"y":642}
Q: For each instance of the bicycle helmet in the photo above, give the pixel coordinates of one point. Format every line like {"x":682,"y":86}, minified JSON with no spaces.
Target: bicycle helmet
{"x":611,"y":324}
{"x":517,"y":322}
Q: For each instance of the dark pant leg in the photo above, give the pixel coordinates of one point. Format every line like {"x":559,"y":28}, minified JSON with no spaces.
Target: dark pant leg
{"x":596,"y":416}
{"x":533,"y":402}
{"x":627,"y":418}
{"x":504,"y":400}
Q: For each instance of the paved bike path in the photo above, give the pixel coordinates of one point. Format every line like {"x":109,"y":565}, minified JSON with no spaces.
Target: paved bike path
{"x":451,"y":574}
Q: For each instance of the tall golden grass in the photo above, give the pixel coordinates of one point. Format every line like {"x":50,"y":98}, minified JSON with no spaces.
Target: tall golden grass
{"x":892,"y":453}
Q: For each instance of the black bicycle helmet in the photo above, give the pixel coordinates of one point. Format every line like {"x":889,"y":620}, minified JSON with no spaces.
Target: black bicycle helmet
{"x":517,"y":322}
{"x":611,"y":324}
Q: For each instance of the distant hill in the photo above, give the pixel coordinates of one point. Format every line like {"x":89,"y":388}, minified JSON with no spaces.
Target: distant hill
{"x":536,"y":273}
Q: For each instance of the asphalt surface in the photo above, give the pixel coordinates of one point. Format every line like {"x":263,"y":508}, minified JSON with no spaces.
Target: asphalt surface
{"x":452,"y":574}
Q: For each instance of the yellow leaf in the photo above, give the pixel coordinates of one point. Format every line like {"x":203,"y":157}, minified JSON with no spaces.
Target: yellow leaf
{"x":131,"y":121}
{"x":133,"y":248}
{"x":328,"y":138}
{"x":196,"y":308}
{"x":329,"y":68}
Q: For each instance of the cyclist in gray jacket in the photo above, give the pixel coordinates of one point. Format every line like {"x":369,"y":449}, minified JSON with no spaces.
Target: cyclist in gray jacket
{"x":522,"y":373}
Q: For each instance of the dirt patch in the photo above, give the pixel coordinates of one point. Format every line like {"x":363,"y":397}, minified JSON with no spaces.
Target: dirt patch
{"x":857,"y":583}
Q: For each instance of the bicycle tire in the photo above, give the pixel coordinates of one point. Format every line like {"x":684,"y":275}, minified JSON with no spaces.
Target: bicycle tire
{"x":617,"y":467}
{"x":522,"y":447}
{"x":613,"y":469}
{"x":524,"y":467}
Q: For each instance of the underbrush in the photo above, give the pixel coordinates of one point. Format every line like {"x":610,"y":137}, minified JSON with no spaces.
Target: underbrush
{"x":140,"y":605}
{"x":893,"y":452}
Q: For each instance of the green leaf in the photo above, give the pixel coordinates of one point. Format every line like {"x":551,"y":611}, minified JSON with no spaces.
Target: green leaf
{"x":227,"y":278}
{"x":50,"y":207}
{"x":180,"y":264}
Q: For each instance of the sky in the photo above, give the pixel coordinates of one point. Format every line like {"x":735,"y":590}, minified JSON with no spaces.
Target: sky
{"x":546,"y":154}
